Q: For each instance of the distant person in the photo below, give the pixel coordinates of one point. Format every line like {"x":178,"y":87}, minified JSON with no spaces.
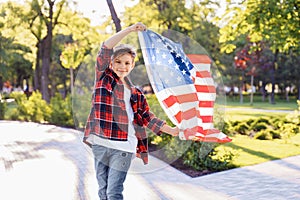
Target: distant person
{"x":115,"y":128}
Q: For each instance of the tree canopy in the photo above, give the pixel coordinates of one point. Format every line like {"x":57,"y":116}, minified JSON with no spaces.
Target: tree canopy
{"x":34,"y":34}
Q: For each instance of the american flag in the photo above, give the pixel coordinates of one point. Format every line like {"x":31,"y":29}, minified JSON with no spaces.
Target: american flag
{"x":185,"y":90}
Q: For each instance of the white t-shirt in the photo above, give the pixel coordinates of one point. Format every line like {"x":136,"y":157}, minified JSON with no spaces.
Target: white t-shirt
{"x":131,"y":143}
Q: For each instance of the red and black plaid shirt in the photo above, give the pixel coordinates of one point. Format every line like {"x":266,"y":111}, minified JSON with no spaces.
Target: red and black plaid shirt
{"x":108,"y":117}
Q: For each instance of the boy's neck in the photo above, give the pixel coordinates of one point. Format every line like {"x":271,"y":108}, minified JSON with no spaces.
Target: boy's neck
{"x":125,"y":83}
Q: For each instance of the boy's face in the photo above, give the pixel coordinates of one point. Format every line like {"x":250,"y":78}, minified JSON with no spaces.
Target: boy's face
{"x":122,"y":65}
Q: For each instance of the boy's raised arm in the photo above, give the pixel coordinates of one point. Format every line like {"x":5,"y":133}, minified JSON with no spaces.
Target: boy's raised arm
{"x":116,"y":38}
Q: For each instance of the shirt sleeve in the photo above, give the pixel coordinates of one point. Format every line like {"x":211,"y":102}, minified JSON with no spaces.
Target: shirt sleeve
{"x":149,"y":119}
{"x":103,"y":60}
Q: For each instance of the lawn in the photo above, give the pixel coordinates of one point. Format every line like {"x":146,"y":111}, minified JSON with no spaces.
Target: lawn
{"x":250,"y":151}
{"x":232,"y":109}
{"x":280,"y":104}
{"x":233,"y":114}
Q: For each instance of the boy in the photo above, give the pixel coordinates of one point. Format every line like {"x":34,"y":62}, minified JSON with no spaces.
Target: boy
{"x":116,"y":125}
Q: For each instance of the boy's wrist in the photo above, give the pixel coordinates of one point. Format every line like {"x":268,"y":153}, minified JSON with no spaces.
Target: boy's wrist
{"x":128,"y":29}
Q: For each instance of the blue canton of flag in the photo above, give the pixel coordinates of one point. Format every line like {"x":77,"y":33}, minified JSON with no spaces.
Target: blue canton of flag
{"x":168,"y":64}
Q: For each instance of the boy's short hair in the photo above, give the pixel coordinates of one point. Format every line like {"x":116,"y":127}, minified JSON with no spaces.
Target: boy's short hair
{"x":123,"y":49}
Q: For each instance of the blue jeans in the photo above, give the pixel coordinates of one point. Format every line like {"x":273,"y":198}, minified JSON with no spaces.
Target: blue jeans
{"x":111,"y":167}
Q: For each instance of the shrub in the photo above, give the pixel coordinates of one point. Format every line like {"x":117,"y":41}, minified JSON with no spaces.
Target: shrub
{"x":61,"y":111}
{"x":276,"y":122}
{"x":159,"y":112}
{"x":275,"y":134}
{"x":250,"y":121}
{"x":295,"y":116}
{"x":235,"y":123}
{"x":263,"y":135}
{"x":288,"y":129}
{"x":227,"y":128}
{"x":262,"y":119}
{"x":19,"y":97}
{"x":259,"y":126}
{"x":202,"y":156}
{"x":242,"y":128}
{"x":32,"y":109}
{"x":2,"y":109}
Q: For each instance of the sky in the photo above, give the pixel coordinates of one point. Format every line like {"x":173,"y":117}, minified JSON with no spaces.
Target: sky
{"x":96,"y":9}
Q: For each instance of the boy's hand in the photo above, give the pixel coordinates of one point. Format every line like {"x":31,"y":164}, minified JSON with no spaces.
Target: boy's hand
{"x":174,"y":131}
{"x":137,"y":27}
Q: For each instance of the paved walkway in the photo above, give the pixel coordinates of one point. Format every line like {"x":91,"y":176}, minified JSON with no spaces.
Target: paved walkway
{"x":45,"y":162}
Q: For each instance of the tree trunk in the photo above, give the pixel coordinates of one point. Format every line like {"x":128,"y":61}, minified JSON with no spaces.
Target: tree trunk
{"x":242,"y":88}
{"x":1,"y":83}
{"x":299,"y":90}
{"x":251,"y":97}
{"x":273,"y":71}
{"x":46,"y":56}
{"x":263,"y":91}
{"x":114,"y":15}
{"x":272,"y":97}
{"x":72,"y":80}
{"x":286,"y":94}
{"x":46,"y":67}
{"x":37,"y":72}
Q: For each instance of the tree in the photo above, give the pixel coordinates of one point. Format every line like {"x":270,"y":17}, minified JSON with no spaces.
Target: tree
{"x":13,"y":64}
{"x":71,"y":58}
{"x":275,"y":23}
{"x":46,"y":14}
{"x":160,"y":14}
{"x":114,"y":15}
{"x":15,"y":45}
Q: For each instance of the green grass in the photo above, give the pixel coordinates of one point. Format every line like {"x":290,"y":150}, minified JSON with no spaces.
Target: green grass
{"x":234,"y":110}
{"x":250,"y":151}
{"x":233,"y":115}
{"x":280,"y":104}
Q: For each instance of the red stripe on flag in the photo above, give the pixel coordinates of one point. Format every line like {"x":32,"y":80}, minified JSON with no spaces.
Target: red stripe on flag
{"x":206,"y":104}
{"x":203,"y":74}
{"x":207,"y":131}
{"x":186,"y":115}
{"x":199,"y":58}
{"x":207,"y":119}
{"x":185,"y":98}
{"x":205,"y":88}
{"x":170,"y":101}
{"x":211,"y":131}
{"x":212,"y":139}
{"x":178,"y":117}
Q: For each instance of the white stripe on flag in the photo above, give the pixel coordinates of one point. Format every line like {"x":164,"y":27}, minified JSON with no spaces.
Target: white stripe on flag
{"x":204,"y":81}
{"x":179,"y":90}
{"x":219,"y":135}
{"x":190,"y":123}
{"x":206,"y":111}
{"x":202,"y":66}
{"x":206,"y":96}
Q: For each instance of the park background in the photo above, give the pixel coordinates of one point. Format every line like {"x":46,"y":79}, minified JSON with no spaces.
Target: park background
{"x":48,"y":49}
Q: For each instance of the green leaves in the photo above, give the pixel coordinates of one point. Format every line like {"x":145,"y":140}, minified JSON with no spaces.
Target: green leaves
{"x":275,"y":22}
{"x":72,"y":56}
